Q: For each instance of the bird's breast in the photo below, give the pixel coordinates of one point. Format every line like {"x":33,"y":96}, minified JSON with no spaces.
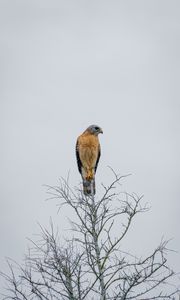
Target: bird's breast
{"x":89,"y":150}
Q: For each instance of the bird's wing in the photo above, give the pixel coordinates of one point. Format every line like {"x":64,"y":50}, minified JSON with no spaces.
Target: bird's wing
{"x":98,"y":157}
{"x":79,"y":163}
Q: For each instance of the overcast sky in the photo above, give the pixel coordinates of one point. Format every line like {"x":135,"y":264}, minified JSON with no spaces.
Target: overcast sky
{"x":65,"y":65}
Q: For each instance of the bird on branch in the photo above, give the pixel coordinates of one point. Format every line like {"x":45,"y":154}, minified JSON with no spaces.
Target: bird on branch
{"x":88,"y":153}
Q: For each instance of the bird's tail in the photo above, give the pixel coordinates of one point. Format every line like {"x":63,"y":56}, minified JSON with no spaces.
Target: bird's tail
{"x":89,"y":187}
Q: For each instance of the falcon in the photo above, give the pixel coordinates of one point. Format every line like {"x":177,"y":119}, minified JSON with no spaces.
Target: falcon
{"x":88,"y":154}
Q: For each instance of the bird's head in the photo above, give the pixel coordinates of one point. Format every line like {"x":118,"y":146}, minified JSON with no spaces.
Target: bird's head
{"x":94,"y":129}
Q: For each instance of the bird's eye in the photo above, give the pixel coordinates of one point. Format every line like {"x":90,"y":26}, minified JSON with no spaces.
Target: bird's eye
{"x":96,"y":128}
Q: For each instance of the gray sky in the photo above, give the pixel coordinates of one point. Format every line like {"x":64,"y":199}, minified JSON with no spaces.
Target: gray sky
{"x":67,"y":64}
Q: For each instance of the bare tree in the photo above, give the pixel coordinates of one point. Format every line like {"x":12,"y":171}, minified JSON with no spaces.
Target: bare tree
{"x":92,"y":264}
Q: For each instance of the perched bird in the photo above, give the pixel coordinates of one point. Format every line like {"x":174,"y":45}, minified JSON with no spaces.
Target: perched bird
{"x":88,"y":153}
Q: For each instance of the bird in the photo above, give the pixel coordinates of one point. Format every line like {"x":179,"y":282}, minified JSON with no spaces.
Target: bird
{"x":88,"y":153}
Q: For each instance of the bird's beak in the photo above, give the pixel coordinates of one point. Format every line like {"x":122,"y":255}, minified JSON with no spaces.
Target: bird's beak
{"x":100,"y":131}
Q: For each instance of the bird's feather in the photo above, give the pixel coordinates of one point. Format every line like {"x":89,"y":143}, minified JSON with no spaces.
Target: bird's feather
{"x":78,"y":158}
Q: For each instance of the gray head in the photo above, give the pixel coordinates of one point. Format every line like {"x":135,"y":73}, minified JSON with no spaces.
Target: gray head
{"x":94,"y":129}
